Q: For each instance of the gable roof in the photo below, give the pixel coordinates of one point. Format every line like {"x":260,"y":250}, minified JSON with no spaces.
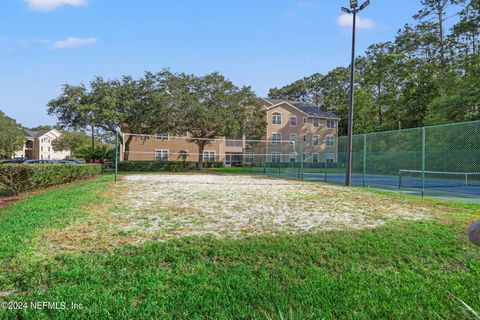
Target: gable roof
{"x":308,"y":108}
{"x":35,"y":134}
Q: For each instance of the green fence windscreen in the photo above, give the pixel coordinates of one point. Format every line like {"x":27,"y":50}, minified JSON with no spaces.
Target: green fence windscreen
{"x":433,"y":160}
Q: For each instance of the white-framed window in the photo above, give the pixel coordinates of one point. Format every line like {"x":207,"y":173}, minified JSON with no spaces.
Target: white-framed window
{"x":330,"y":124}
{"x":305,"y":120}
{"x":162,"y":137}
{"x":315,"y":140}
{"x":41,"y":148}
{"x":276,"y":138}
{"x":45,"y":140}
{"x":209,"y":156}
{"x":292,"y":137}
{"x":330,"y":141}
{"x":304,"y":156}
{"x":161,"y":155}
{"x":49,"y":149}
{"x":276,"y":157}
{"x":293,"y":121}
{"x":330,"y":157}
{"x":304,"y":138}
{"x":315,"y":158}
{"x":316,"y":122}
{"x":293,"y":157}
{"x":276,"y":118}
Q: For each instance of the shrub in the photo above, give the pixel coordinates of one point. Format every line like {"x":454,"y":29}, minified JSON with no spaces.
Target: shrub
{"x":22,"y":178}
{"x":158,"y":166}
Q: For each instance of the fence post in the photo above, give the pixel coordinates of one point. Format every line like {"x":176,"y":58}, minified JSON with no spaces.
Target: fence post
{"x":364,"y":159}
{"x":326,"y":165}
{"x":265,"y":159}
{"x":423,"y":161}
{"x":301,"y":159}
{"x":116,"y":156}
{"x":280,"y":154}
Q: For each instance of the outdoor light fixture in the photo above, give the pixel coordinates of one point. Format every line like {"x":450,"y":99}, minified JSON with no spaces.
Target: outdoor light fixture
{"x":354,"y":10}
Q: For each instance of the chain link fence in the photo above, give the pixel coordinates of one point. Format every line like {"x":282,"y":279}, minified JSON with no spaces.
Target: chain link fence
{"x":438,"y":161}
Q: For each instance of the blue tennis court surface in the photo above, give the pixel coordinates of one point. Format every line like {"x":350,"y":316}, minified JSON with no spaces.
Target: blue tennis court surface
{"x":433,"y":185}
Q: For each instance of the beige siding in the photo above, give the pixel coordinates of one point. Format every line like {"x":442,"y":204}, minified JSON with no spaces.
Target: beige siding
{"x":41,"y":147}
{"x":143,"y":147}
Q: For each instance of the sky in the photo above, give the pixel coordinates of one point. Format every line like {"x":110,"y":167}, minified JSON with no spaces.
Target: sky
{"x":259,"y":43}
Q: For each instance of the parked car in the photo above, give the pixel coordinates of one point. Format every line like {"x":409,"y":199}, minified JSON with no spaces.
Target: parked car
{"x":68,"y":162}
{"x":74,"y":161}
{"x":39,"y":162}
{"x":14,"y":160}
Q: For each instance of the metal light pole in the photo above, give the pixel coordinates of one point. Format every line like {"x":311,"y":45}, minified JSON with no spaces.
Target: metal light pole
{"x":354,"y":10}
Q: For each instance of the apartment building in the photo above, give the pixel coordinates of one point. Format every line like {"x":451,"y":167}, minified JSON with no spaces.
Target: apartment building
{"x":312,"y":133}
{"x":38,"y":146}
{"x":294,"y":129}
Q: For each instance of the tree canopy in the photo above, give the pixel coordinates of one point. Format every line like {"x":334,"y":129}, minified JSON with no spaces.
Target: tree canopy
{"x":11,"y":136}
{"x":427,"y":75}
{"x":205,"y":106}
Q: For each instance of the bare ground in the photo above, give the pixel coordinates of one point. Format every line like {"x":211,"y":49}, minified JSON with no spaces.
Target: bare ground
{"x":165,"y":206}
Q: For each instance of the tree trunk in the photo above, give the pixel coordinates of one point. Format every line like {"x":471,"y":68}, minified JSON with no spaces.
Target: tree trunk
{"x":201,"y":148}
{"x":93,"y":138}
{"x":93,"y":144}
{"x":127,"y":147}
{"x":443,"y":63}
{"x":379,"y":105}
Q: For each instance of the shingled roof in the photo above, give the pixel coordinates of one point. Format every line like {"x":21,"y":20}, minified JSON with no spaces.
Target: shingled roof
{"x":35,"y":134}
{"x":308,"y":108}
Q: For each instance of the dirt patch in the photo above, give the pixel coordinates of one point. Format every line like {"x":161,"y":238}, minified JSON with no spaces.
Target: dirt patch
{"x":8,"y":201}
{"x":165,"y":206}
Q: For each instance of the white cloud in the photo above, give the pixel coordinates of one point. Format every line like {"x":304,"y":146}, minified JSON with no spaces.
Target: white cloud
{"x":346,"y":20}
{"x":72,"y":42}
{"x":50,"y":5}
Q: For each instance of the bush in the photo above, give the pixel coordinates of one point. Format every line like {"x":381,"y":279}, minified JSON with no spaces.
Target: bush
{"x":158,"y":166}
{"x":22,"y":178}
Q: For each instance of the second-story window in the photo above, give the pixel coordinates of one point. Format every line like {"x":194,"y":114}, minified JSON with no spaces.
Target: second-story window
{"x":277,"y":118}
{"x":315,"y":140}
{"x":304,"y":120}
{"x":330,"y":123}
{"x":276,"y":138}
{"x":304,"y":138}
{"x":330,"y":141}
{"x":162,"y":137}
{"x":293,"y":121}
{"x":316,"y":122}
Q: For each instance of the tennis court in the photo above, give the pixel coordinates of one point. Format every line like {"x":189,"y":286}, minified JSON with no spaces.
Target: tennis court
{"x":435,"y":161}
{"x":445,"y":182}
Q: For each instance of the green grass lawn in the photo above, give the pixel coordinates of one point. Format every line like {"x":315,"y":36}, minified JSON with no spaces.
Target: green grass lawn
{"x":402,"y":270}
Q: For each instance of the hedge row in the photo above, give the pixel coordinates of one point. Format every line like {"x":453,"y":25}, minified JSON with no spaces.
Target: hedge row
{"x":19,"y":178}
{"x":158,"y":166}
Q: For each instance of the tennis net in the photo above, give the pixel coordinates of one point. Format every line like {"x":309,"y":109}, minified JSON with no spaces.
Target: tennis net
{"x":437,"y":179}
